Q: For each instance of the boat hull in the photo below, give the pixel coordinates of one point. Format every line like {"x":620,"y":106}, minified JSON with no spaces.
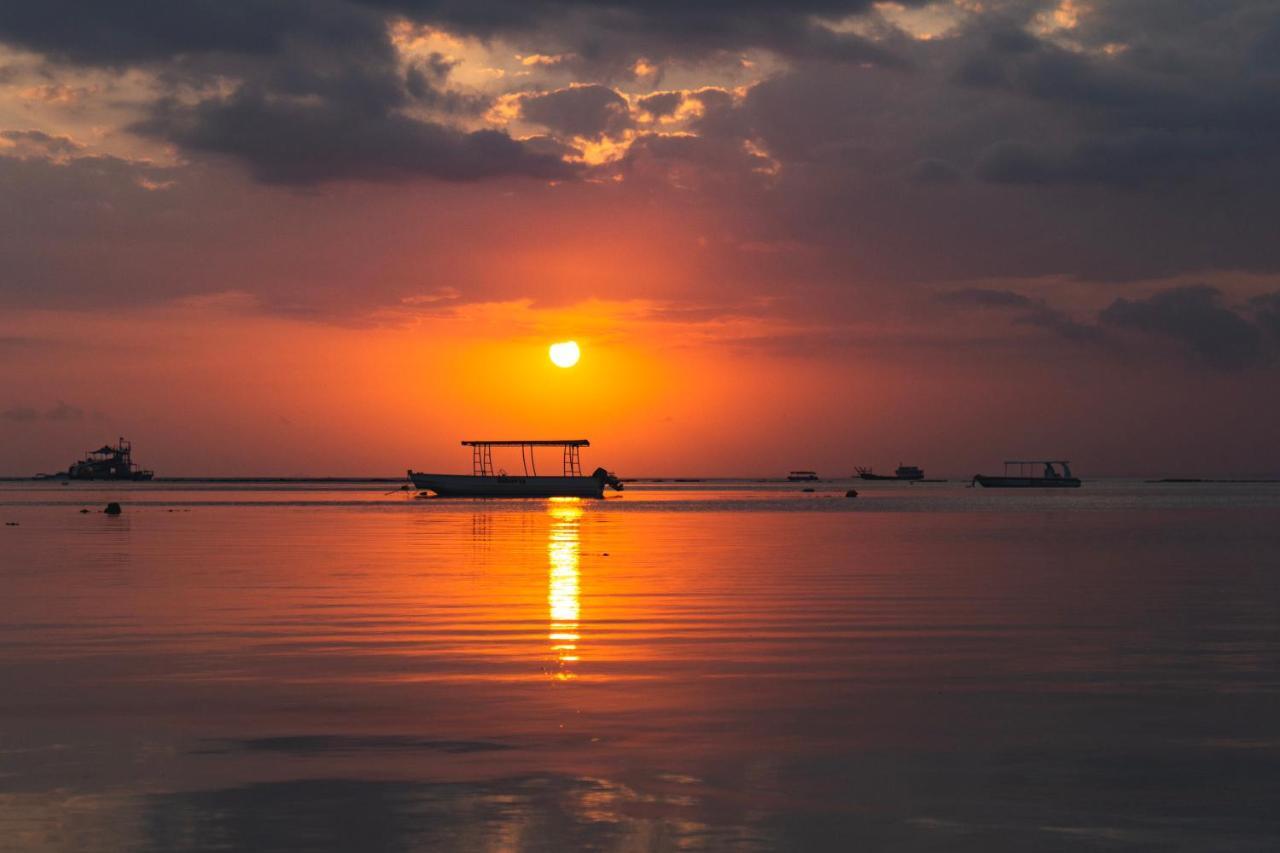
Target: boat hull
{"x":1027,"y":482}
{"x":866,"y":475}
{"x":135,"y":476}
{"x":470,"y":486}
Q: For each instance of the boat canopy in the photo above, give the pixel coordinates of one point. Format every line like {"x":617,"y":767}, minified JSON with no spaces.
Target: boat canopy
{"x":1050,"y":472}
{"x":482,"y":455}
{"x":1037,"y":462}
{"x":566,"y":442}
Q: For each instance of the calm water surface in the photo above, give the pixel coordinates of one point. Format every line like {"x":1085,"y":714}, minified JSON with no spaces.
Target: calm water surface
{"x":705,"y":666}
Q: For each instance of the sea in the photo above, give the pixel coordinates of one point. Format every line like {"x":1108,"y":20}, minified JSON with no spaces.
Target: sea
{"x":727,"y":665}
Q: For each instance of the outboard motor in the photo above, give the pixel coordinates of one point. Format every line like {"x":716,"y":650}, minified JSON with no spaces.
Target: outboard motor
{"x":608,"y":478}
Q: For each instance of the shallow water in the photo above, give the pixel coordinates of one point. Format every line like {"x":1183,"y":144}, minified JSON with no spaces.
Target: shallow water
{"x":713,"y":665}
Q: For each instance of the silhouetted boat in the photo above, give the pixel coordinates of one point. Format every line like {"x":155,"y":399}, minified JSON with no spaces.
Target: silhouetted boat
{"x":803,"y":476}
{"x":485,"y":482}
{"x":1050,"y":477}
{"x":903,"y":472}
{"x":108,"y":463}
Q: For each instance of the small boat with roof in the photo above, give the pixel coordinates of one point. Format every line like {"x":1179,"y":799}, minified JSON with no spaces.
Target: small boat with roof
{"x":803,"y":476}
{"x":1056,"y":474}
{"x":485,"y":481}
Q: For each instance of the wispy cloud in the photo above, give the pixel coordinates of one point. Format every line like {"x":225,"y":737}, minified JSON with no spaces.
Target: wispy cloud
{"x":1196,"y":319}
{"x":60,"y":412}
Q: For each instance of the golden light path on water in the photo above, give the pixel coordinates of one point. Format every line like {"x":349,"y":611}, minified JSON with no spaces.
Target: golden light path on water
{"x":563,"y":584}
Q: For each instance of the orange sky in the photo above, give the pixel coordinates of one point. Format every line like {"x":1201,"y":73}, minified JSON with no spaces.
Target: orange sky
{"x":812,"y":236}
{"x":212,"y":387}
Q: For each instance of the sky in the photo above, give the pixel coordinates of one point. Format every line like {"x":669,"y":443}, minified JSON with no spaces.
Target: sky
{"x":336,"y":237}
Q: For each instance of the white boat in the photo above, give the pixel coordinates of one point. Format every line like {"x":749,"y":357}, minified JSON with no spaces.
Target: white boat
{"x":1050,"y":477}
{"x":486,"y":482}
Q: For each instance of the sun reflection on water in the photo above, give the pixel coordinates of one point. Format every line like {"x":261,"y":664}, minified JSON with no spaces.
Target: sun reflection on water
{"x":563,"y":588}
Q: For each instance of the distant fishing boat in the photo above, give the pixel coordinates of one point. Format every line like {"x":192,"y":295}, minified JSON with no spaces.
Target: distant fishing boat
{"x":903,"y":472}
{"x":486,"y":482}
{"x":108,"y":463}
{"x":803,"y":476}
{"x":1050,"y":476}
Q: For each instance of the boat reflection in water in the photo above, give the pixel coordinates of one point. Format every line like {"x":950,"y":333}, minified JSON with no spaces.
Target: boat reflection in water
{"x":563,"y":587}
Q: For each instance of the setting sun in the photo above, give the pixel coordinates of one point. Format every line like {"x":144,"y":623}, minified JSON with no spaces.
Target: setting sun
{"x":565,"y":353}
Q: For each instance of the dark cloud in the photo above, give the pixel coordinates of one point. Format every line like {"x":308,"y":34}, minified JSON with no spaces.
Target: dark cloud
{"x":36,"y":143}
{"x":426,"y":82}
{"x":661,"y":104}
{"x":62,"y":411}
{"x":307,"y":142}
{"x":1016,"y":61}
{"x":132,"y":31}
{"x":1145,"y":103}
{"x":609,"y":32}
{"x":1195,"y":318}
{"x":613,"y":32}
{"x":1091,"y":172}
{"x":591,"y":111}
{"x":983,"y":298}
{"x":1028,"y":311}
{"x":322,"y":96}
{"x":67,"y":222}
{"x":1124,"y":160}
{"x":722,"y":115}
{"x":691,"y":163}
{"x":20,"y":414}
{"x":335,"y":105}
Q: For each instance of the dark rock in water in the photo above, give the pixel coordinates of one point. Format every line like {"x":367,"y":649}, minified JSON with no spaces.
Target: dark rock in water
{"x":11,"y":524}
{"x":806,"y":490}
{"x":84,"y":512}
{"x":852,"y":493}
{"x":113,"y":508}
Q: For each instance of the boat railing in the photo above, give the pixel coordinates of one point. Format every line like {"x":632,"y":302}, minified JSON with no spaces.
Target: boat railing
{"x":1049,"y":471}
{"x":482,"y":455}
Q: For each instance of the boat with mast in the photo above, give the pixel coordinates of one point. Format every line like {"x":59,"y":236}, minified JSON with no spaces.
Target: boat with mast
{"x":487,"y":482}
{"x":1025,"y":476}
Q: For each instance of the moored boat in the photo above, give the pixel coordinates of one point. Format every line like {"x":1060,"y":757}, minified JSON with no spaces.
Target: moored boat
{"x":1050,"y":477}
{"x":803,"y":476}
{"x":487,"y":482}
{"x":903,"y":472}
{"x":108,"y":463}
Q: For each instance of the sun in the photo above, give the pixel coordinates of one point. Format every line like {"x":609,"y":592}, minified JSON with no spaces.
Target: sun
{"x":565,"y":353}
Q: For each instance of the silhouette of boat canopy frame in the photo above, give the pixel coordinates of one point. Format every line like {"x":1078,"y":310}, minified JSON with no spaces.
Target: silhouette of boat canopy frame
{"x":1025,"y":478}
{"x":487,"y":482}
